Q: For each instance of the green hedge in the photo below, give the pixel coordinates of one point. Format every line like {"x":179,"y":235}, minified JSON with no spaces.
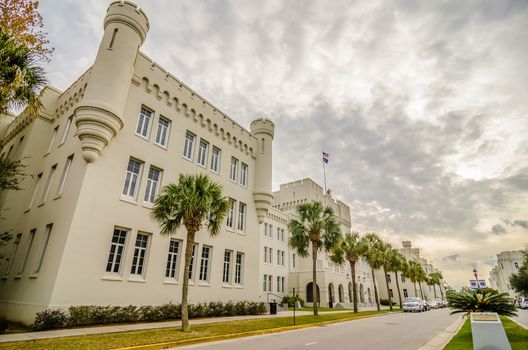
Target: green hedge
{"x":290,"y":299}
{"x":84,"y":315}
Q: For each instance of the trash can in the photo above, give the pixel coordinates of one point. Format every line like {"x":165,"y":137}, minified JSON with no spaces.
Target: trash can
{"x":331,"y":304}
{"x":273,"y":308}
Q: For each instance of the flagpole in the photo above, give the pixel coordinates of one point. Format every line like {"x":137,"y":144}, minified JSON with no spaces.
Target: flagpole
{"x":324,"y":175}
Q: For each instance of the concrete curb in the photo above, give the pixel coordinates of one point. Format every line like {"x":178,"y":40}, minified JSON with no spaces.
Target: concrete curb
{"x":440,"y":340}
{"x":182,"y":342}
{"x":520,"y":324}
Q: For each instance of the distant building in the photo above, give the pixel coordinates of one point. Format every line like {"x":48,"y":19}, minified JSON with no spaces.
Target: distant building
{"x":508,"y":263}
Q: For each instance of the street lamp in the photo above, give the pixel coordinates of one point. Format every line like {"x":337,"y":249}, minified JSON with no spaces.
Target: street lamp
{"x":476,"y":277}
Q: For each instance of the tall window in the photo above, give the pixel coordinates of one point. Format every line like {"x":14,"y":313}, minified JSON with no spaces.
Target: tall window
{"x":278,"y":257}
{"x":143,"y":124}
{"x":140,"y":252}
{"x":282,"y":235}
{"x":238,"y":268}
{"x":202,"y":153}
{"x":162,"y":134}
{"x":266,"y":283}
{"x":243,"y":174}
{"x":269,"y":283}
{"x":282,"y":258}
{"x":153,"y":182}
{"x":293,"y":260}
{"x":132,"y":178}
{"x":234,"y":169}
{"x":48,"y":184}
{"x":227,"y":267}
{"x":172,"y":259}
{"x":278,"y":284}
{"x":116,"y":251}
{"x":231,"y":213}
{"x":14,"y":250}
{"x":204,"y":263}
{"x":65,"y":173}
{"x":405,"y":293}
{"x":44,"y":246}
{"x":270,"y":255}
{"x":191,"y":266}
{"x":265,"y":254}
{"x":388,"y":278}
{"x":391,"y":294}
{"x":516,"y":265}
{"x":270,"y":232}
{"x":215,"y":159}
{"x":283,"y":279}
{"x":66,"y":129}
{"x":242,"y":216}
{"x":52,"y":140}
{"x":278,"y":233}
{"x":402,"y":277}
{"x":28,"y":250}
{"x":188,"y":146}
{"x":35,"y":190}
{"x":265,"y":229}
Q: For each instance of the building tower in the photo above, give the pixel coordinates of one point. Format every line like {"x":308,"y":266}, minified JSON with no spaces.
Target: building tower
{"x":99,"y":116}
{"x":263,"y":130}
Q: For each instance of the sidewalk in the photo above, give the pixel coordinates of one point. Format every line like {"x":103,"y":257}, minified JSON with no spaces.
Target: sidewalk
{"x":58,"y":333}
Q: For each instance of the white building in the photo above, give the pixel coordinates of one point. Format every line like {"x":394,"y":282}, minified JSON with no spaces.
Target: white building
{"x":508,"y":263}
{"x":97,"y":155}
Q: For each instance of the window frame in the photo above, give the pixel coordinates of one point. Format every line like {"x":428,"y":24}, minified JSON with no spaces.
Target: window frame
{"x":203,"y":156}
{"x":205,"y":264}
{"x":233,"y":170}
{"x":226,"y":270}
{"x":239,"y":269}
{"x":122,"y":257}
{"x":138,"y":179}
{"x":186,"y":147}
{"x":242,"y":217}
{"x":52,"y":140}
{"x":38,"y":266}
{"x":31,"y":240}
{"x":47,"y":187}
{"x":14,"y":250}
{"x":66,"y":131}
{"x":173,"y":260}
{"x":149,"y":197}
{"x":231,"y":214}
{"x":149,"y":123}
{"x":65,"y":172}
{"x":215,"y":160}
{"x":167,"y":132}
{"x":140,"y":262}
{"x":244,"y":170}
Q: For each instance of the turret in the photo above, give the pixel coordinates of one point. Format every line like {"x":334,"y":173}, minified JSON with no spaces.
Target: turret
{"x":263,"y":130}
{"x":100,"y":115}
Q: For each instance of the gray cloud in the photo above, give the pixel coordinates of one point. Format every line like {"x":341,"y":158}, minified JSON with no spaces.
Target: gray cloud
{"x":498,"y":229}
{"x":421,"y":105}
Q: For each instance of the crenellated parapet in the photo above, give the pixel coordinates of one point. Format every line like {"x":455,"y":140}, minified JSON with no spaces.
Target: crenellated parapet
{"x":99,"y":116}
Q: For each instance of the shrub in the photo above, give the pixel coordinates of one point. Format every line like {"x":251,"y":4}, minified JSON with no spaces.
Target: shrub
{"x":480,"y":301}
{"x":3,"y":325}
{"x":84,"y":315}
{"x":290,"y":299}
{"x":385,"y":302}
{"x":50,"y":318}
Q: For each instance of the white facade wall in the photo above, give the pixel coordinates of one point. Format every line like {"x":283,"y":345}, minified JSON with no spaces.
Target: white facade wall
{"x":508,"y":263}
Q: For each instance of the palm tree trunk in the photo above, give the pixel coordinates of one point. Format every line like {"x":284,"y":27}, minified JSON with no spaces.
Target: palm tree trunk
{"x":314,"y":279}
{"x":185,"y":287}
{"x":387,"y":284}
{"x":441,"y":291}
{"x":415,"y":290}
{"x":421,"y":291}
{"x":375,"y":289}
{"x":434,"y":290}
{"x":398,"y":286}
{"x":354,"y":287}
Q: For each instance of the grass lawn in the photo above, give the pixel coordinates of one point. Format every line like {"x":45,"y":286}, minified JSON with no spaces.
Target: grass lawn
{"x":167,"y":335}
{"x":517,"y":335}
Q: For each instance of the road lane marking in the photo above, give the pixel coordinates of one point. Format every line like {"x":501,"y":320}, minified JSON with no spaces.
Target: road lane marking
{"x":315,"y":342}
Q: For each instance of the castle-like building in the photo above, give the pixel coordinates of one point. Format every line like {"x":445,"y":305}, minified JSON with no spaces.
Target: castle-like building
{"x":99,"y":152}
{"x":508,"y":263}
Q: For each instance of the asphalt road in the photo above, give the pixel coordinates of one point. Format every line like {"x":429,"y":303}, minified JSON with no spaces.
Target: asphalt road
{"x":522,"y":317}
{"x":397,"y":331}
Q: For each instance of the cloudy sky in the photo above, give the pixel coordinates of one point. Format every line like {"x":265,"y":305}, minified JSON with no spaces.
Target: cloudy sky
{"x":422,"y":105}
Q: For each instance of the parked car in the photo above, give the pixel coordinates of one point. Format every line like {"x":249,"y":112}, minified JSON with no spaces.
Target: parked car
{"x":413,"y":304}
{"x":524,"y":303}
{"x":433,"y":304}
{"x":441,"y":303}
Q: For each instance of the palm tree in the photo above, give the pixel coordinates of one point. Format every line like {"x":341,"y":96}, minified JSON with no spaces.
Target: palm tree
{"x":438,"y":279}
{"x":349,"y":248}
{"x":20,"y":78}
{"x":479,"y":301}
{"x":194,"y":202}
{"x":397,"y":263}
{"x":316,"y":225}
{"x":385,"y":256}
{"x":422,"y":277}
{"x":372,"y":247}
{"x":433,"y":280}
{"x":414,"y":271}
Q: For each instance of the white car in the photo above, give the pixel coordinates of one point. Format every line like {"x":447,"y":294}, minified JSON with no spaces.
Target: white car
{"x":524,"y":303}
{"x":433,"y":304}
{"x":413,"y":305}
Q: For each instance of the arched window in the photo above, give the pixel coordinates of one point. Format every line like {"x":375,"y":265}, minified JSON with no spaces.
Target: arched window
{"x":350,"y":292}
{"x":341,"y":293}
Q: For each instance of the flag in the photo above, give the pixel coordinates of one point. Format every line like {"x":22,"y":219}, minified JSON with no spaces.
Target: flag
{"x":325,"y":157}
